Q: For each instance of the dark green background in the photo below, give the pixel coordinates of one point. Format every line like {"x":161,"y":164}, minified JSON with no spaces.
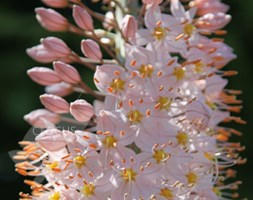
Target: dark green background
{"x":19,"y":95}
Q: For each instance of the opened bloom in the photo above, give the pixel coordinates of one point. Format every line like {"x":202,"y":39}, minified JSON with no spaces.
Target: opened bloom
{"x":156,"y":127}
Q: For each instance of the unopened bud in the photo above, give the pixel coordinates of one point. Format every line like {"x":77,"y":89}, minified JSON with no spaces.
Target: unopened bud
{"x":51,"y":20}
{"x":91,"y":49}
{"x":43,"y":76}
{"x":54,"y":103}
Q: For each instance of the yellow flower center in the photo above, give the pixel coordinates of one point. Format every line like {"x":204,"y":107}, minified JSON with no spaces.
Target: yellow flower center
{"x":211,"y":105}
{"x":117,"y":84}
{"x":88,"y":189}
{"x":191,"y":178}
{"x":199,"y":67}
{"x":216,"y":191}
{"x":79,"y":161}
{"x":209,"y":156}
{"x":167,"y":193}
{"x":135,"y":116}
{"x":129,"y":175}
{"x":159,"y":33}
{"x":146,"y":70}
{"x":110,"y":141}
{"x":182,"y":138}
{"x":54,"y":196}
{"x":53,"y":165}
{"x":160,"y":155}
{"x":189,"y":29}
{"x":164,"y":103}
{"x":179,"y":73}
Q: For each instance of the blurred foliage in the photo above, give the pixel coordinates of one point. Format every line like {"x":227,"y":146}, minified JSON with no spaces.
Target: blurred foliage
{"x":19,"y":95}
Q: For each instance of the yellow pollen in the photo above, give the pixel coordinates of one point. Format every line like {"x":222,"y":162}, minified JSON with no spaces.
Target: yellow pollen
{"x":209,"y":156}
{"x":79,"y":161}
{"x":160,"y":155}
{"x":129,"y":175}
{"x":135,"y":116}
{"x":211,"y":105}
{"x":146,"y":70}
{"x":53,"y":165}
{"x":159,"y":33}
{"x":167,"y":193}
{"x":191,"y":178}
{"x":182,"y":138}
{"x":179,"y":73}
{"x":88,"y":189}
{"x":189,"y":29}
{"x":164,"y":103}
{"x":110,"y":141}
{"x":199,"y":67}
{"x":117,"y":84}
{"x":216,"y":191}
{"x":54,"y":196}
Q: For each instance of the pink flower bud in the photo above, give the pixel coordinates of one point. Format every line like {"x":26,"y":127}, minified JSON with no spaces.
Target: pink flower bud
{"x":60,"y":89}
{"x":129,"y":26}
{"x":43,"y":76}
{"x":41,"y":118}
{"x":81,"y":110}
{"x":82,"y":18}
{"x":56,"y":46}
{"x":214,"y":21}
{"x":209,"y":6}
{"x":109,"y":21}
{"x":51,"y":140}
{"x":51,"y":20}
{"x":56,"y":3}
{"x":152,"y":1}
{"x":54,"y":103}
{"x":41,"y":54}
{"x":67,"y":72}
{"x":91,"y":49}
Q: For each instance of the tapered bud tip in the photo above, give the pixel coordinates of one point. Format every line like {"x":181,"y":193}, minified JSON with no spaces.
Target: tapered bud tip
{"x":81,"y":110}
{"x":43,"y":76}
{"x":129,"y":26}
{"x":56,"y":3}
{"x":54,"y":103}
{"x":51,"y":20}
{"x":67,"y":72}
{"x":91,"y":49}
{"x":82,"y":18}
{"x":56,"y":46}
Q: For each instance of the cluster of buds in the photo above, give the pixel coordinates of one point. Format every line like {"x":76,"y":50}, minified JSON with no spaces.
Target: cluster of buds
{"x":156,"y":128}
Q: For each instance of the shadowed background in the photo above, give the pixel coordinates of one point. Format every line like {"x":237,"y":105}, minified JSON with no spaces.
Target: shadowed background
{"x":19,"y":95}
